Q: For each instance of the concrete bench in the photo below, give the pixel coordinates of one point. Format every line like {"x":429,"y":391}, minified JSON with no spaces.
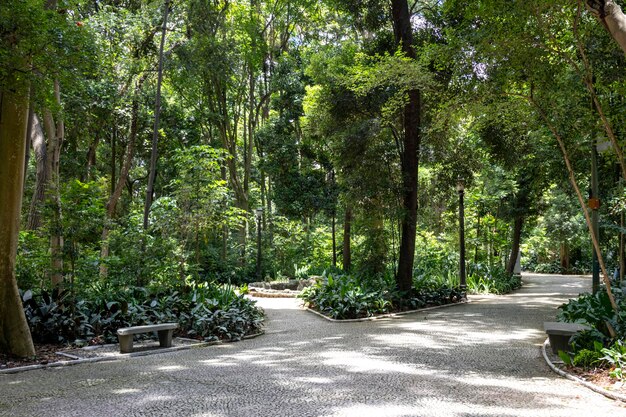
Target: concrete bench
{"x":164,"y":330}
{"x":560,"y":333}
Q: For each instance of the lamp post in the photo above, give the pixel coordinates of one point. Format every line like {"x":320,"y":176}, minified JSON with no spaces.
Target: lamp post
{"x":601,"y":145}
{"x":259,"y":217}
{"x":460,"y":187}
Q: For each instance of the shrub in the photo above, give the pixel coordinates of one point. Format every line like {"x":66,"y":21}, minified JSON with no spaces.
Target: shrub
{"x":50,"y":318}
{"x":207,"y":310}
{"x":350,"y":297}
{"x":586,"y":358}
{"x":596,"y":311}
{"x":344,"y":297}
{"x":616,"y":357}
{"x":482,"y":279}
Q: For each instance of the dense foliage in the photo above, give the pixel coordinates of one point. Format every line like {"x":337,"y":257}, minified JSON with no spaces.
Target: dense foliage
{"x":277,"y":134}
{"x":350,"y":297}
{"x":207,"y":311}
{"x":602,"y":346}
{"x":495,"y":280}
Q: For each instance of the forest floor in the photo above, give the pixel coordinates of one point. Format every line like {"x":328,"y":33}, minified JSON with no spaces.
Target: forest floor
{"x":599,"y":377}
{"x":44,"y":354}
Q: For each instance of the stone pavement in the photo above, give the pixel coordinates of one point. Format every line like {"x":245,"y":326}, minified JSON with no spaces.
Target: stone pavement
{"x":477,"y":359}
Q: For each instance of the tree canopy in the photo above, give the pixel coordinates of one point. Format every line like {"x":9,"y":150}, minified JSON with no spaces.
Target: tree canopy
{"x":329,"y":135}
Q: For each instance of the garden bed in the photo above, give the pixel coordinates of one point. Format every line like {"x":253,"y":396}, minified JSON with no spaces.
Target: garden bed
{"x":54,"y":355}
{"x":346,"y":297}
{"x":594,"y":378}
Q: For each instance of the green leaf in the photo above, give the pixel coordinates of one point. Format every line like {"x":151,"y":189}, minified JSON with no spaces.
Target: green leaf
{"x":565,"y":357}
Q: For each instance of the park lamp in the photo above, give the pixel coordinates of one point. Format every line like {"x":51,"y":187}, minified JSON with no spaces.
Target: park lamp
{"x":460,"y":187}
{"x":460,"y":184}
{"x":259,"y":216}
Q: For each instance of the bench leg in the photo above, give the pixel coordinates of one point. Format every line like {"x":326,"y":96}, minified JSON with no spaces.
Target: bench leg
{"x":126,"y":343}
{"x":165,"y":338}
{"x":559,"y":342}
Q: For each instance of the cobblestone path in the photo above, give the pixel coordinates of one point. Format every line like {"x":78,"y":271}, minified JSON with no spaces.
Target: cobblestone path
{"x":478,"y":359}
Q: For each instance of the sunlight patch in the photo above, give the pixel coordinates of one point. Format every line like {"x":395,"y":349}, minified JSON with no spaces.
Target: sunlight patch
{"x":314,"y":380}
{"x":171,"y":368}
{"x":125,"y":391}
{"x":358,"y":362}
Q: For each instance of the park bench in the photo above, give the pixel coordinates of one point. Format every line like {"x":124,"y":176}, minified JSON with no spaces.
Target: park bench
{"x":560,"y":333}
{"x":164,"y":330}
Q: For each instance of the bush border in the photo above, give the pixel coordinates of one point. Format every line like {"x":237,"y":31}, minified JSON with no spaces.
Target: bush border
{"x":384,"y":316}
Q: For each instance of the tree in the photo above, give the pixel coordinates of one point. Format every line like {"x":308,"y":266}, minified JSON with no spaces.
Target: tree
{"x":535,"y":61}
{"x":14,"y":333}
{"x":403,"y":32}
{"x":15,"y":45}
{"x":157,"y":113}
{"x":610,"y":14}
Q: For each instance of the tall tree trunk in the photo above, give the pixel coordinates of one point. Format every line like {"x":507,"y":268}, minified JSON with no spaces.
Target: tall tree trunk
{"x":38,"y":142}
{"x":477,"y":239}
{"x":224,"y":251}
{"x":56,"y":134}
{"x":269,"y":216}
{"x":113,"y":155}
{"x":29,"y":132}
{"x":334,"y":231}
{"x":15,"y":336}
{"x":564,"y":256}
{"x":122,"y":179}
{"x":347,"y":252}
{"x":515,"y":244}
{"x":410,"y":156}
{"x":157,"y":112}
{"x":91,"y":157}
{"x":252,"y":114}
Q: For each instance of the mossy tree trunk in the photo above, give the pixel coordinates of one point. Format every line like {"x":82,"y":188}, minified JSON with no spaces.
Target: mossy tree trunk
{"x":15,"y":336}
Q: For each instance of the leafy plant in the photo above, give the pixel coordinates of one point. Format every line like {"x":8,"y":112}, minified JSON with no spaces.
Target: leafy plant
{"x":616,"y":357}
{"x":483,"y":279}
{"x":208,"y":310}
{"x":343,"y":297}
{"x":349,"y":297}
{"x":587,"y":339}
{"x":51,"y":319}
{"x":596,"y":311}
{"x":587,"y":358}
{"x":565,"y":357}
{"x":301,"y":272}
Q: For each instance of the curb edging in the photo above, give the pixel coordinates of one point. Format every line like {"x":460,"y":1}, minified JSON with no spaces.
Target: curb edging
{"x":591,"y":386}
{"x":59,"y":364}
{"x":384,"y":316}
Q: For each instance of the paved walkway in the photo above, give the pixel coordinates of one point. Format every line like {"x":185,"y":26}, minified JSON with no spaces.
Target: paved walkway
{"x":478,"y":359}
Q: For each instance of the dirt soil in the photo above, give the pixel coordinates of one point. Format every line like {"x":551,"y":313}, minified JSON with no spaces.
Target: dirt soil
{"x":599,"y":377}
{"x":44,"y":354}
{"x":49,"y":353}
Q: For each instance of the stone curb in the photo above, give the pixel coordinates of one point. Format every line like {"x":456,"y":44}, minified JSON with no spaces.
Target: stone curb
{"x":120,"y":356}
{"x":384,"y":316}
{"x":593,"y":387}
{"x":278,"y":294}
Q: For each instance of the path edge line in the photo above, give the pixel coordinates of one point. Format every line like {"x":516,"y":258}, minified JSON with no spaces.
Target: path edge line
{"x":59,"y":364}
{"x":593,"y":387}
{"x":384,"y":316}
